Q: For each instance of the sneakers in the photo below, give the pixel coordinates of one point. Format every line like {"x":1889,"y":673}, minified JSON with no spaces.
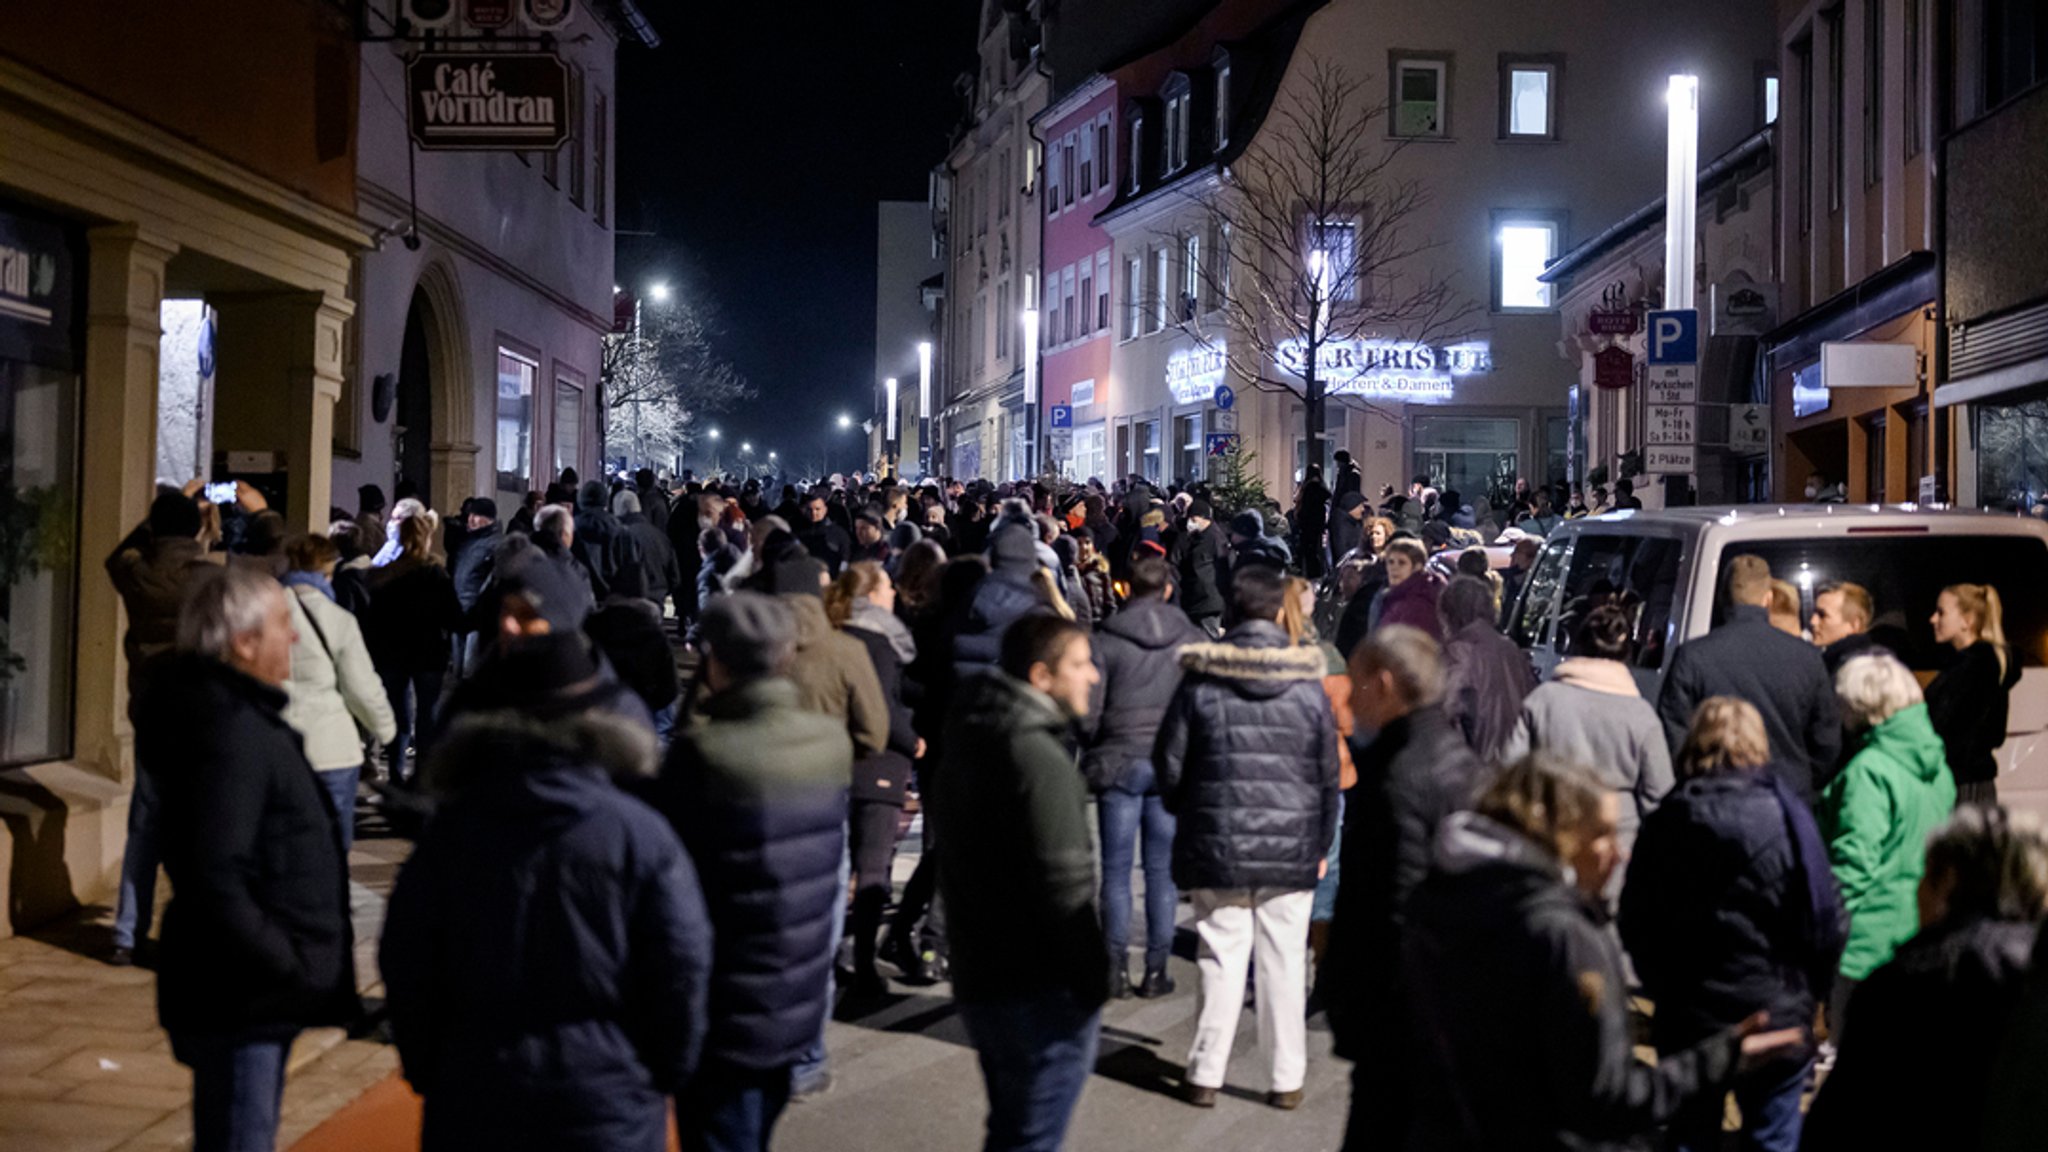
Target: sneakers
{"x":1157,"y":984}
{"x":896,"y":950}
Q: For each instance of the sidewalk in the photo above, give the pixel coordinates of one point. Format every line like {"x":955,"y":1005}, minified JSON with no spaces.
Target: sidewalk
{"x":85,"y":1068}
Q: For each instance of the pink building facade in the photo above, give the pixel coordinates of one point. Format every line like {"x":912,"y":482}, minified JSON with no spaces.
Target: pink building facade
{"x":1075,"y":309}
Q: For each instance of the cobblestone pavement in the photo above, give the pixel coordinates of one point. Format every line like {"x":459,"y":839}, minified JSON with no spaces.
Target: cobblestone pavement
{"x":85,"y":1068}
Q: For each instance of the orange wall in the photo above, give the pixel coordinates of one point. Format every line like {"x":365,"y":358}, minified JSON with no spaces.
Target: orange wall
{"x":269,"y":84}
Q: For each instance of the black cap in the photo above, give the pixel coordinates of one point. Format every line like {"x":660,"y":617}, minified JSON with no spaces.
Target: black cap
{"x":483,"y":506}
{"x":1202,"y":508}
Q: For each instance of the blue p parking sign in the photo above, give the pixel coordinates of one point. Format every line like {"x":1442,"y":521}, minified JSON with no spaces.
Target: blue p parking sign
{"x":1675,"y":336}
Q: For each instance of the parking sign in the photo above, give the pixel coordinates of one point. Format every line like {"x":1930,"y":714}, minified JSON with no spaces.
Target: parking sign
{"x":1062,"y":416}
{"x":1675,"y":336}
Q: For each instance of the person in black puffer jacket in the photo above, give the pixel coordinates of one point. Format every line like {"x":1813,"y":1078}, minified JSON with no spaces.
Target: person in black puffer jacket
{"x":1930,"y":1023}
{"x":767,"y":833}
{"x":1138,"y":655}
{"x":547,"y":951}
{"x":1720,"y":919}
{"x":1003,"y":597}
{"x":602,"y":543}
{"x":257,"y":944}
{"x":1247,"y":761}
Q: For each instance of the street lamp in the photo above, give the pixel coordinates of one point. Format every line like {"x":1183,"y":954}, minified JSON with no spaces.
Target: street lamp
{"x":1031,"y":390}
{"x":714,"y":433}
{"x":659,"y":291}
{"x":845,"y":421}
{"x":924,"y":406}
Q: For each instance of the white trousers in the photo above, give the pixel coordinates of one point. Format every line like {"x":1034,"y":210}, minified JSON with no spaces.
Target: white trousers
{"x":1233,"y":925}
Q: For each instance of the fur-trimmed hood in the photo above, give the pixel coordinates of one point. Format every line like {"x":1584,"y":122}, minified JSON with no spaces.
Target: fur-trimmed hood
{"x":489,"y":746}
{"x":1256,"y":658}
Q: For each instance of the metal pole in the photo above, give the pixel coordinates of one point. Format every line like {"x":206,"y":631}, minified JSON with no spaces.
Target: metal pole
{"x":924,"y":407}
{"x":1030,"y":392}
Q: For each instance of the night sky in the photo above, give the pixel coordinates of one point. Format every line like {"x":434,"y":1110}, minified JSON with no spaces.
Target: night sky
{"x":755,"y":143}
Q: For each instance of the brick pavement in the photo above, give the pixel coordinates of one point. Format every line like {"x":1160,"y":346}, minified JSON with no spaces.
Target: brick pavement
{"x":85,"y":1068}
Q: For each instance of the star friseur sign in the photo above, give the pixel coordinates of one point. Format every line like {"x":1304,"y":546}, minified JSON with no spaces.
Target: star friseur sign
{"x":488,"y":102}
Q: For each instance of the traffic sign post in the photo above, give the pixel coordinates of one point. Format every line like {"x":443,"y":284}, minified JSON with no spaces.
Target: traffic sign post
{"x":1749,"y":427}
{"x":1671,"y":393}
{"x":1220,"y":443}
{"x":1226,"y":398}
{"x":1062,"y":416}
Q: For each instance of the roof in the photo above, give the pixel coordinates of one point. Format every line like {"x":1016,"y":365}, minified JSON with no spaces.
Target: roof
{"x":1735,"y":164}
{"x":1805,"y":517}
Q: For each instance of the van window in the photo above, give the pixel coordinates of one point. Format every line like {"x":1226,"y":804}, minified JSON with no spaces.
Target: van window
{"x":1531,"y":625}
{"x":1640,"y":573}
{"x":1905,"y":574}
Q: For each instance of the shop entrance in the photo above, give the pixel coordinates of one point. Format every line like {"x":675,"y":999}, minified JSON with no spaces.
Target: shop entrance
{"x":1822,"y":451}
{"x":414,"y":425}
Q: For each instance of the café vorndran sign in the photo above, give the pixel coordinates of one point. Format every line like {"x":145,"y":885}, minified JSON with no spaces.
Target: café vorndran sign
{"x":488,"y":102}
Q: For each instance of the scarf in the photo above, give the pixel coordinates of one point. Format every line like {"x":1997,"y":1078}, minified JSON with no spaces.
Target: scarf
{"x":312,"y":580}
{"x":869,"y":616}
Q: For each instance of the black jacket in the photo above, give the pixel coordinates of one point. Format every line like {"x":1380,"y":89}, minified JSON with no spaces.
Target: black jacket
{"x":629,"y":633}
{"x":1969,"y":704}
{"x":1413,"y":775}
{"x":1201,"y":562}
{"x":1779,"y":673}
{"x":658,"y":568}
{"x":1517,"y":1031}
{"x":1137,"y":654}
{"x":885,"y":775}
{"x":827,"y":542}
{"x":547,"y":951}
{"x":767,"y":832}
{"x":469,"y":564}
{"x":413,"y":612}
{"x":1000,"y":600}
{"x":1247,"y":759}
{"x":1016,"y":866}
{"x":1711,"y":912}
{"x":1927,"y":1027}
{"x":256,"y":940}
{"x":604,"y":545}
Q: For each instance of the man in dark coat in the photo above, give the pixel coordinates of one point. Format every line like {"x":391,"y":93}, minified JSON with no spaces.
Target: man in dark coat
{"x":1200,"y":557}
{"x":469,"y":562}
{"x":1003,"y":597}
{"x":1250,"y":545}
{"x":601,"y":542}
{"x":1311,"y":517}
{"x":1018,"y":876}
{"x":1348,"y":479}
{"x":154,"y":569}
{"x":653,"y":501}
{"x":546,"y":952}
{"x":257,"y":944}
{"x":1247,"y":760}
{"x":767,"y":832}
{"x":659,"y":572}
{"x":1415,"y":773}
{"x":821,"y":537}
{"x":1486,"y":676}
{"x":685,"y":531}
{"x":1138,"y":655}
{"x":1778,"y":673}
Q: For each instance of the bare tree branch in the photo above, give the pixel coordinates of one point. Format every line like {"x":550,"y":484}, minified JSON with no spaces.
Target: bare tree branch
{"x":663,"y":377}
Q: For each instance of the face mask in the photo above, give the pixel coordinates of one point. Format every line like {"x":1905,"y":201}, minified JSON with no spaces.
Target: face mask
{"x":1812,"y":490}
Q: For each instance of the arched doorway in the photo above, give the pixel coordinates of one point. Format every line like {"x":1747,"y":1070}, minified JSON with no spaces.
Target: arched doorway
{"x":412,"y":460}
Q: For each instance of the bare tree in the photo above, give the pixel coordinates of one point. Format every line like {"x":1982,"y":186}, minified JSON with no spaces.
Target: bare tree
{"x":662,"y":377}
{"x":1314,"y":249}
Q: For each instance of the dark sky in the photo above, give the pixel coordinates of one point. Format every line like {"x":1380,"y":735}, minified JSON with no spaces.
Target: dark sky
{"x":755,"y":142}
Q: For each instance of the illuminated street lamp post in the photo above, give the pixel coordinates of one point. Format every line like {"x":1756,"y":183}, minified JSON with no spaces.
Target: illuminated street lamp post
{"x":924,"y":407}
{"x":1030,"y":392}
{"x":889,"y":440}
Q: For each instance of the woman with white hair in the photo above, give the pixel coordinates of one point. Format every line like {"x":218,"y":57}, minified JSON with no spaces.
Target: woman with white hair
{"x":1878,"y":812}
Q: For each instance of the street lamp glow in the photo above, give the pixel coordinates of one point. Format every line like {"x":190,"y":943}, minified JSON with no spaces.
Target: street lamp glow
{"x":771,"y":453}
{"x":845,"y":421}
{"x":1681,"y":188}
{"x":659,"y":291}
{"x":924,"y":378}
{"x":890,"y":384}
{"x":746,"y":446}
{"x":714,"y":433}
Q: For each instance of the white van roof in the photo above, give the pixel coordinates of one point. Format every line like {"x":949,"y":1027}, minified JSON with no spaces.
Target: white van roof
{"x":1779,"y":520}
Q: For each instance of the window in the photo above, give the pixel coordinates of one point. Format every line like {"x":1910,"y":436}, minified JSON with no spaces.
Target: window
{"x":2015,"y":48}
{"x":1030,"y":168}
{"x":1222,"y":104}
{"x":1002,"y":329}
{"x":600,"y":158}
{"x":1069,"y":321}
{"x":1162,"y":280}
{"x":1134,"y":280}
{"x":1052,"y":182}
{"x":1641,"y":571}
{"x":1149,"y":453}
{"x":1085,"y":298}
{"x":1333,"y":257}
{"x":2012,"y":453}
{"x":1529,"y":619}
{"x":1101,"y":291}
{"x":568,"y":424}
{"x":1220,"y":260}
{"x":1191,"y":451}
{"x":1420,"y":98}
{"x":1802,"y":59}
{"x":1067,"y":172}
{"x":1528,"y":93}
{"x":979,"y":322}
{"x":1770,"y":98}
{"x":575,"y":144}
{"x":514,"y":450}
{"x":1911,"y":123}
{"x":1177,"y":130}
{"x":1102,"y":152}
{"x":1190,"y":275}
{"x":1873,"y":91}
{"x":1087,"y":167}
{"x":1089,"y":457}
{"x":1472,"y":456}
{"x":981,"y":201}
{"x":1833,"y":20}
{"x":40,"y":400}
{"x":1522,"y":245}
{"x":1134,"y":163}
{"x":1003,"y":185}
{"x":1124,"y":464}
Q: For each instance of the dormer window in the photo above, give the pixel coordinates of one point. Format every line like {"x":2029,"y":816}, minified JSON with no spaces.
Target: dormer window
{"x":1179,"y":103}
{"x":1222,"y":102}
{"x":1135,"y":164}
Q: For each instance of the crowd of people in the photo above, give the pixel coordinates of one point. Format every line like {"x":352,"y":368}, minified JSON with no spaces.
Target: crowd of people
{"x":657,"y":741}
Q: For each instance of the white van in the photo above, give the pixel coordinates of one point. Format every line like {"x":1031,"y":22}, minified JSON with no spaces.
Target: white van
{"x":1668,"y":565}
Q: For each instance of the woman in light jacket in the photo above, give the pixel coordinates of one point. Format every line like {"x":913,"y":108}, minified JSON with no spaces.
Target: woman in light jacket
{"x":335,"y":694}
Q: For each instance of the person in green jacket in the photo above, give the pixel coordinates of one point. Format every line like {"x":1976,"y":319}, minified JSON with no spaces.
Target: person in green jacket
{"x":1877,"y":814}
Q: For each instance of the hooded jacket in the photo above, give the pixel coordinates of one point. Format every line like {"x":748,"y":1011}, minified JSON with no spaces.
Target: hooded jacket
{"x":1247,"y":759}
{"x":257,"y":940}
{"x":547,"y":950}
{"x":1016,"y":865}
{"x":1517,"y":1030}
{"x":1486,"y":678}
{"x":1876,"y":816}
{"x":757,"y":789}
{"x":1590,"y":713}
{"x":835,"y":677}
{"x":1003,"y":597}
{"x":1138,"y":655}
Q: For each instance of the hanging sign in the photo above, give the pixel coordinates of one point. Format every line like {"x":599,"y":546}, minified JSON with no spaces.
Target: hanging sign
{"x":488,"y":102}
{"x":549,"y":14}
{"x":487,"y":13}
{"x":1612,"y":322}
{"x":1614,"y":368}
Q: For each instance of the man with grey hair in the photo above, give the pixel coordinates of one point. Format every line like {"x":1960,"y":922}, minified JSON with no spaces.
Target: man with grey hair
{"x":1416,"y":771}
{"x":257,"y":944}
{"x":658,"y":568}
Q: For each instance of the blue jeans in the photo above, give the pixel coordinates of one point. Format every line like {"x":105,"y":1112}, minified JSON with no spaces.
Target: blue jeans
{"x":1036,"y":1056}
{"x":237,"y":1088}
{"x":1326,"y":888}
{"x":1771,"y":1120}
{"x":810,"y":1067}
{"x":341,"y":788}
{"x":137,"y":901}
{"x":727,"y":1108}
{"x":1123,"y":813}
{"x":413,"y":709}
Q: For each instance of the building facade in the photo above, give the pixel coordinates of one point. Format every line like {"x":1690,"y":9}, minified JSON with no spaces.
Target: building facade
{"x":1075,"y":309}
{"x":135,"y":182}
{"x":906,"y":261}
{"x":989,"y":235}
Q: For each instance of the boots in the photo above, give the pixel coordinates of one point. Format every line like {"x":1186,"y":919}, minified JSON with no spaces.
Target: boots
{"x":1157,"y":984}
